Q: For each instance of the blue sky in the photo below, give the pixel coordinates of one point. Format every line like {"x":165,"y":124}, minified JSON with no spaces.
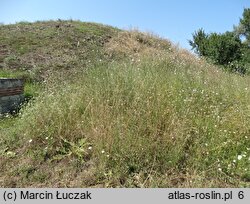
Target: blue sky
{"x":172,"y":19}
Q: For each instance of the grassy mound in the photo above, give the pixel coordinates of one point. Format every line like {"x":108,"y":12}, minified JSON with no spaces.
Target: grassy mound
{"x":135,"y":112}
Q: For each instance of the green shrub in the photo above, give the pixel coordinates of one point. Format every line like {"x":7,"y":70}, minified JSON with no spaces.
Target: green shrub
{"x":223,"y":49}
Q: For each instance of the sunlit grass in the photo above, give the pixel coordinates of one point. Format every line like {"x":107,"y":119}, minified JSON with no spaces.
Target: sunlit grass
{"x":146,"y":119}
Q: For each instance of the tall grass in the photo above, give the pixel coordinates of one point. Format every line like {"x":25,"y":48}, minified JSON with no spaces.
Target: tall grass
{"x":121,"y":109}
{"x":157,"y":122}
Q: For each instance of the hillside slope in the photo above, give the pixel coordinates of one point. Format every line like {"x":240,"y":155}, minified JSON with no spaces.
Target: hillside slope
{"x":119,"y":108}
{"x":56,"y":46}
{"x":45,"y":46}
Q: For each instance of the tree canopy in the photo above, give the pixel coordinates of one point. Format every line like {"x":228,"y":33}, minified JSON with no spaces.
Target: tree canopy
{"x":230,"y":49}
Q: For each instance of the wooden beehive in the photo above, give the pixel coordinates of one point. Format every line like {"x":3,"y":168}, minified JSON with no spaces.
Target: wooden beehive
{"x":11,"y":94}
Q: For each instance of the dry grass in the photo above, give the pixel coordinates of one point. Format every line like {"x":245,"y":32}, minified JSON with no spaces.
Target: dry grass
{"x":147,"y":114}
{"x":134,"y":44}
